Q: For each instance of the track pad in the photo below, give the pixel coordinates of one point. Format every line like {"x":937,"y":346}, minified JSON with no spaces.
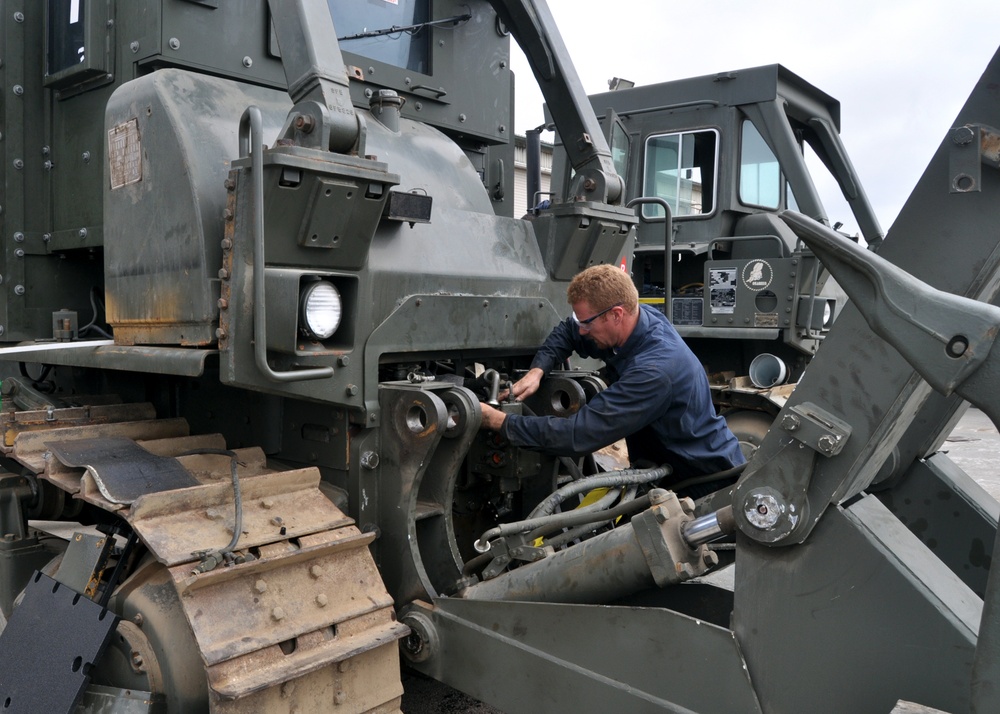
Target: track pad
{"x":48,"y":647}
{"x":122,"y":469}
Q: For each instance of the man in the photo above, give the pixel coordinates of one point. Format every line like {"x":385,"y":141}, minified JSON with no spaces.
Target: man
{"x":658,"y":397}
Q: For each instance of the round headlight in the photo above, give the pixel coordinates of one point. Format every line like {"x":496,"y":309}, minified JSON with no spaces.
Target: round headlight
{"x":827,"y":313}
{"x":321,"y":309}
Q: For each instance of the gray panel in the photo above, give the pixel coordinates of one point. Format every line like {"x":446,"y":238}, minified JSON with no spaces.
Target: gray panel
{"x":539,"y":657}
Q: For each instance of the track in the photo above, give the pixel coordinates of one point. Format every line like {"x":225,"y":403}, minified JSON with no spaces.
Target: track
{"x":295,"y":616}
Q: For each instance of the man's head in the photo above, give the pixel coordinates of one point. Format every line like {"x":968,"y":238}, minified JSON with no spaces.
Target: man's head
{"x":605,"y":305}
{"x":602,"y":286}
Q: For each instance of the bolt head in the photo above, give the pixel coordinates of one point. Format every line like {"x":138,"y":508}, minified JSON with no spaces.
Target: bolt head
{"x":763,"y":510}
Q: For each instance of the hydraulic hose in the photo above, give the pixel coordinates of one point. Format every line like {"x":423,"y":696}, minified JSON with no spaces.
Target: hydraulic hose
{"x":610,"y":479}
{"x":560,"y":520}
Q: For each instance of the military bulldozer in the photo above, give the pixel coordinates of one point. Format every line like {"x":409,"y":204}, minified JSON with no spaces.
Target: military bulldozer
{"x":711,"y":162}
{"x":259,"y":270}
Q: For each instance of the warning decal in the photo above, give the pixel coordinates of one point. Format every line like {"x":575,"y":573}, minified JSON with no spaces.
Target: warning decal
{"x":124,"y":154}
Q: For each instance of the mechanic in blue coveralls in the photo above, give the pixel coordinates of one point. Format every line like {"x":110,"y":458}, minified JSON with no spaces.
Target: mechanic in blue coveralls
{"x":658,"y":397}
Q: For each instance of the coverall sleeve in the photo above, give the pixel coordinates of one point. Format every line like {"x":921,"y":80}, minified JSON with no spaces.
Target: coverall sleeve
{"x":638,"y":398}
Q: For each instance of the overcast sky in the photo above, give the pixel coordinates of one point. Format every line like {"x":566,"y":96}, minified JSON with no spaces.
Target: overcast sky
{"x":901,"y":69}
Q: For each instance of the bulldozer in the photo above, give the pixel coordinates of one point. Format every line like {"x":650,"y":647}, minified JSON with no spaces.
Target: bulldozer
{"x":259,"y":271}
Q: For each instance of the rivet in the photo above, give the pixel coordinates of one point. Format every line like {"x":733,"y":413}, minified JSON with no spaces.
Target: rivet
{"x":86,"y":157}
{"x":82,"y":232}
{"x":247,"y":62}
{"x":18,"y":237}
{"x":134,"y":46}
{"x":174,"y":43}
{"x":19,"y":290}
{"x":18,"y":17}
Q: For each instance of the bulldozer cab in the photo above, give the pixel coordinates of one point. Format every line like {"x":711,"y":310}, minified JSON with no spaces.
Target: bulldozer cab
{"x":725,"y":154}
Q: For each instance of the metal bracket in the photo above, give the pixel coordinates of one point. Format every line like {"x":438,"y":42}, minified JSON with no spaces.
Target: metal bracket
{"x":972,"y":146}
{"x":816,"y":428}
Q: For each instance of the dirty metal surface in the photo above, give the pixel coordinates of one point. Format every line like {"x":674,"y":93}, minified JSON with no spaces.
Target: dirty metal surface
{"x":276,"y":506}
{"x":15,"y":423}
{"x":54,"y":631}
{"x":121,"y":469}
{"x":30,"y":450}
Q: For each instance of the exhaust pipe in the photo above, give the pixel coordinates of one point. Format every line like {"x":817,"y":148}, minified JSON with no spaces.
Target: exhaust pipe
{"x":766,"y":371}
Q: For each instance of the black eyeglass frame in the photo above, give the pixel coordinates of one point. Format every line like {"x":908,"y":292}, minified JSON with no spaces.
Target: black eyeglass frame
{"x":587,"y":323}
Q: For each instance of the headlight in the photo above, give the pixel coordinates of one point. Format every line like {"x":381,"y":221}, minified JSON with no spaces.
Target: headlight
{"x":320,"y":310}
{"x":827,"y":313}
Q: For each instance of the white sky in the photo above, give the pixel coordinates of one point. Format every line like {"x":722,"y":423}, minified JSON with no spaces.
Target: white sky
{"x":901,"y":69}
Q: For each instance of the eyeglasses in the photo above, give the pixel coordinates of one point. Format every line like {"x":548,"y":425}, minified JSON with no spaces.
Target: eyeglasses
{"x":585,"y":325}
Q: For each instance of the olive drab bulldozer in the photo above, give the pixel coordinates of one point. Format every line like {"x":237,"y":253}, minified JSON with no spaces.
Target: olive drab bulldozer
{"x":260,"y":268}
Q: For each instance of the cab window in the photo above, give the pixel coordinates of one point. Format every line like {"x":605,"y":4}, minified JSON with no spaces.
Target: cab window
{"x":385,"y":31}
{"x":760,"y":174}
{"x":681,"y":168}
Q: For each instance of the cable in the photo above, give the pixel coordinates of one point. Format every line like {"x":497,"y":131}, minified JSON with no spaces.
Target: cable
{"x":211,"y":559}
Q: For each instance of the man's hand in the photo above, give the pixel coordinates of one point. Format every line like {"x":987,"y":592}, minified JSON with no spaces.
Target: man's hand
{"x":526,"y":385}
{"x":492,"y":418}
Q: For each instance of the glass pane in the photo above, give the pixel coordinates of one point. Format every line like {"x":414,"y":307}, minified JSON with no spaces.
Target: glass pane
{"x":360,"y":24}
{"x":619,"y":149}
{"x":65,"y":35}
{"x":680,"y":169}
{"x":760,"y":175}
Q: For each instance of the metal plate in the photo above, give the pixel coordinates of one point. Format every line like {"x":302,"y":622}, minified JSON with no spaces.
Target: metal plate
{"x":122,"y":469}
{"x":48,"y":647}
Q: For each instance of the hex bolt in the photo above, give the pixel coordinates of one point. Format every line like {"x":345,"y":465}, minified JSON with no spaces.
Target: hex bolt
{"x":343,"y":361}
{"x":790,"y":422}
{"x":344,"y":666}
{"x":369,"y":460}
{"x":229,"y":184}
{"x":213,"y":514}
{"x":287,"y":688}
{"x":228,"y":214}
{"x":227,"y":243}
{"x":222,"y":303}
{"x":174,"y":43}
{"x":827,"y":443}
{"x":267,"y":504}
{"x":963,"y":135}
{"x":316,"y":571}
{"x":340,"y":697}
{"x":278,"y":613}
{"x":352,"y":390}
{"x":220,"y":334}
{"x":260,"y":586}
{"x":321,"y":600}
{"x":223,"y":274}
{"x":305,"y":123}
{"x":277,"y":521}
